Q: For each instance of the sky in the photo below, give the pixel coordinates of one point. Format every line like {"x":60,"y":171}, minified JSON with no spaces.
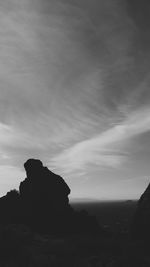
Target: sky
{"x":74,"y":92}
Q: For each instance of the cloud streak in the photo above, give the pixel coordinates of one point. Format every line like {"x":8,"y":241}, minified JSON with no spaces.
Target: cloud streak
{"x":103,"y":149}
{"x":74,"y":82}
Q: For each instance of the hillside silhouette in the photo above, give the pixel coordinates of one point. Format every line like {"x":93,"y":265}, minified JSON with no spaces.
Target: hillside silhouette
{"x":141,"y":222}
{"x":39,"y":227}
{"x":42,"y":203}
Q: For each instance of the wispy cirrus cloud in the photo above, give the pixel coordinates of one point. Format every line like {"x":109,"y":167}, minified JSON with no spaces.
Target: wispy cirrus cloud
{"x":105,"y":149}
{"x":74,"y":82}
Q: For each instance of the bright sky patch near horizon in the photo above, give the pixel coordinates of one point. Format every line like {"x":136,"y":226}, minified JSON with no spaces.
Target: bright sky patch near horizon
{"x":75,"y":77}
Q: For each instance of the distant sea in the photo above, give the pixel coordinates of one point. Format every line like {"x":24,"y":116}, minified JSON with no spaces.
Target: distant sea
{"x":114,"y":215}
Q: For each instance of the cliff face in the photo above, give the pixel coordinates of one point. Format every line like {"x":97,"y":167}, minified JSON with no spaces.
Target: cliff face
{"x":141,"y":222}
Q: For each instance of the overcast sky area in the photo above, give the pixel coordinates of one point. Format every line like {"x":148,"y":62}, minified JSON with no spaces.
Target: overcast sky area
{"x":75,"y":93}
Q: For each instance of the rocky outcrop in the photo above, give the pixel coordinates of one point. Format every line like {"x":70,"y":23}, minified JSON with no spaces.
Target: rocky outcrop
{"x":141,"y":223}
{"x":42,"y":203}
{"x":44,"y":197}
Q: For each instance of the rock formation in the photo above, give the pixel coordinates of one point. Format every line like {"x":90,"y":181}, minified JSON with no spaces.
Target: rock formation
{"x":44,"y":196}
{"x":42,"y":203}
{"x":141,"y":223}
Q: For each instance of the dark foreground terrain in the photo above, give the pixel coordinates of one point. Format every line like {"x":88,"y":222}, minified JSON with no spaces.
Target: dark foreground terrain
{"x":40,"y":227}
{"x":19,"y":246}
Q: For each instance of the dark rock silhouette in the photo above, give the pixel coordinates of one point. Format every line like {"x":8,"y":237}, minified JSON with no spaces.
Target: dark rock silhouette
{"x":140,"y":228}
{"x":44,"y":196}
{"x":42,"y":203}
